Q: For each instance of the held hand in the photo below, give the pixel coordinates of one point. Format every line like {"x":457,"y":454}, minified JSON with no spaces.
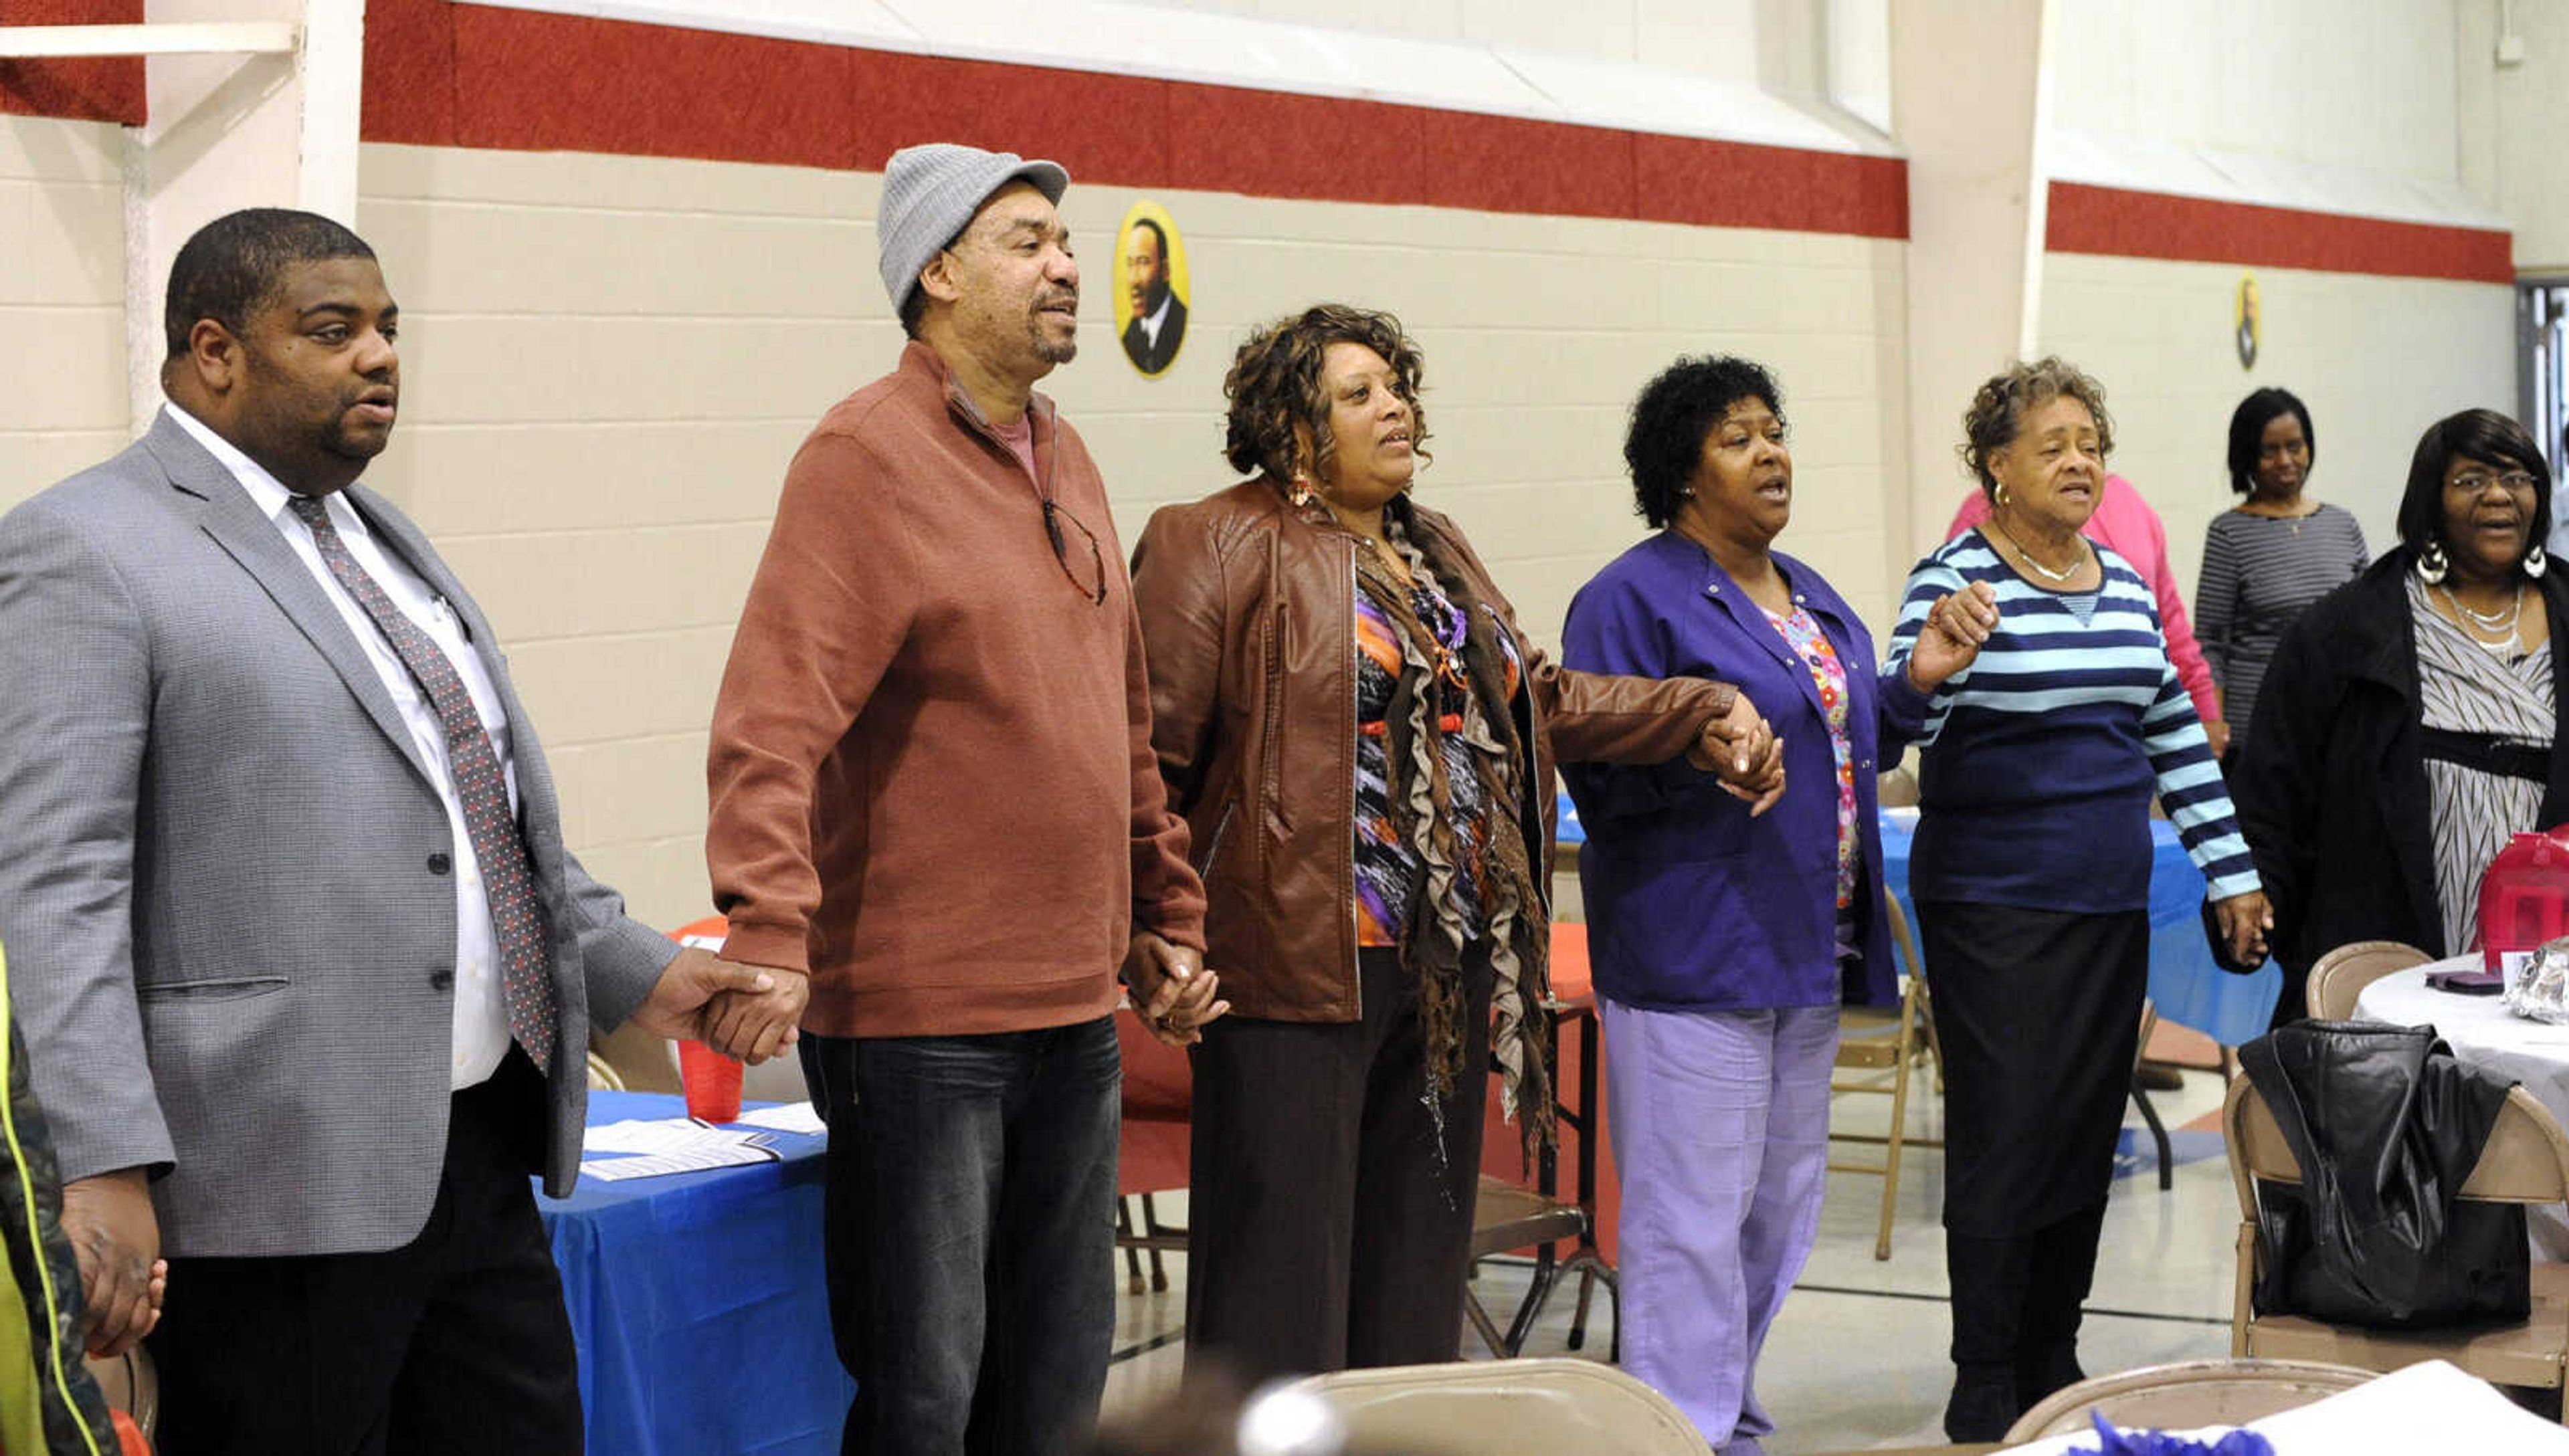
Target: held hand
{"x":746,"y":1012}
{"x":1956,"y":627}
{"x":2219,"y":732}
{"x":751,"y":1027}
{"x":1734,"y":744}
{"x":1185,"y":1022}
{"x":2245,"y":919}
{"x":116,"y":1238}
{"x":756,"y":1025}
{"x":1763,"y":784}
{"x":1171,"y":989}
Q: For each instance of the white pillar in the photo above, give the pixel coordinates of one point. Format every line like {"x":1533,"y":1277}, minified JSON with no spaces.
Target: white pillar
{"x":1969,"y":101}
{"x":228,"y":131}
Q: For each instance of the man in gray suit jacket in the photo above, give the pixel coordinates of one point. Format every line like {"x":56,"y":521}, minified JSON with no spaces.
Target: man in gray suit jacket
{"x":307,"y":973}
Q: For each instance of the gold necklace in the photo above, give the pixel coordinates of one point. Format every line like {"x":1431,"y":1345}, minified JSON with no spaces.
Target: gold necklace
{"x":2027,"y":557}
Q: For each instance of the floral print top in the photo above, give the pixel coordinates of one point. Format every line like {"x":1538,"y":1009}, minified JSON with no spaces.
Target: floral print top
{"x":1828,"y":674}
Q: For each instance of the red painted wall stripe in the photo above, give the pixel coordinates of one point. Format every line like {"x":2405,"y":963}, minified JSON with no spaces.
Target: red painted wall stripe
{"x":105,"y":90}
{"x":2110,"y":220}
{"x":444,"y":75}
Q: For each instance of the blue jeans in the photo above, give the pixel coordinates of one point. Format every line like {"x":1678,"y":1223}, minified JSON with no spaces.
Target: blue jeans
{"x":971,"y":1217}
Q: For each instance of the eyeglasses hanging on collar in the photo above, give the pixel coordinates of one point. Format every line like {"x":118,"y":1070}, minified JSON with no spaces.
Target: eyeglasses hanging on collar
{"x":1094,"y":588}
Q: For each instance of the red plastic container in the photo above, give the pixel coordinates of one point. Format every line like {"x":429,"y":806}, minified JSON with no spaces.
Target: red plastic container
{"x":712,"y":1081}
{"x":2524,"y":899}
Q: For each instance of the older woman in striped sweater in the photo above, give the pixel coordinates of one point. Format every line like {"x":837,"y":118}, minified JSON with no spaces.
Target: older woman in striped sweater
{"x":2031,"y":870}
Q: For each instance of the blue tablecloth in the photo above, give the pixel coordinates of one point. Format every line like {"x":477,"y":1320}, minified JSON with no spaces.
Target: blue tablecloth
{"x":2189,"y":988}
{"x":697,"y":1303}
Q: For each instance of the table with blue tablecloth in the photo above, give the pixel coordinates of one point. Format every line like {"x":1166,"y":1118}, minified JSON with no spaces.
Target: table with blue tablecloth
{"x":2188,"y":987}
{"x":698,"y":1304}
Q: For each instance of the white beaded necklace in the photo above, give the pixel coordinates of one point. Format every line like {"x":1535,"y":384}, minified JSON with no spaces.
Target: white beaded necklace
{"x":2509,"y":622}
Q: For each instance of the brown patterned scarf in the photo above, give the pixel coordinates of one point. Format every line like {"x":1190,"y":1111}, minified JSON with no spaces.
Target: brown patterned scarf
{"x":1516,"y":930}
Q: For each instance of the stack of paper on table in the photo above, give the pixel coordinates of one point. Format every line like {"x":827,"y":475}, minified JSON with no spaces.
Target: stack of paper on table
{"x":786,"y":1117}
{"x":653,"y":1147}
{"x":2432,"y":1407}
{"x":671,"y":1145}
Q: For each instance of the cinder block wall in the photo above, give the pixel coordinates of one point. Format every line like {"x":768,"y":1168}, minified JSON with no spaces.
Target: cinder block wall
{"x":608,"y":361}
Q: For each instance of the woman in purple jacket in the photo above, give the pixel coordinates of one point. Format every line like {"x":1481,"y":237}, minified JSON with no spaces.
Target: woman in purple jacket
{"x":1724,"y":934}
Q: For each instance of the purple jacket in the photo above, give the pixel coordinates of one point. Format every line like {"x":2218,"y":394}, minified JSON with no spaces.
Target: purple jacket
{"x":1691,"y":903}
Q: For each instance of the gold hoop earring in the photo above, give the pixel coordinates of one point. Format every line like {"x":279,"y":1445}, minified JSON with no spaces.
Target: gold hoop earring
{"x":1998,"y":497}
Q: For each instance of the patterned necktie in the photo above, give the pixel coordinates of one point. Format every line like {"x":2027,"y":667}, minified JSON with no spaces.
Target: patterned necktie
{"x":526,"y":963}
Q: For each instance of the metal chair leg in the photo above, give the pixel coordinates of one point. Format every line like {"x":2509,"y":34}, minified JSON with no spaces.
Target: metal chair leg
{"x":1132,"y":1256}
{"x":1905,"y":1050}
{"x":1578,"y":1315}
{"x":1593,"y":1269}
{"x":1151,"y":1225}
{"x":1538,"y":1292}
{"x":1489,"y":1330}
{"x":2158,"y":1134}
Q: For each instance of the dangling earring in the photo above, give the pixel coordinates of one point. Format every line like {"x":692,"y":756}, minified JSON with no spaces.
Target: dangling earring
{"x":1302,"y":489}
{"x":2535,"y":564}
{"x":2431,"y":564}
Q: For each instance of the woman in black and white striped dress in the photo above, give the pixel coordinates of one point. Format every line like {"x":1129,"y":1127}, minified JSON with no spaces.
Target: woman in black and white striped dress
{"x":2268,"y":559}
{"x":2412,"y":719}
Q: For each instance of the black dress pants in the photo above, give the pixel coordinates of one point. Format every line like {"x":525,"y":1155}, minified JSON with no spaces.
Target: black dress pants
{"x":453,"y":1345}
{"x":1329,"y":1217}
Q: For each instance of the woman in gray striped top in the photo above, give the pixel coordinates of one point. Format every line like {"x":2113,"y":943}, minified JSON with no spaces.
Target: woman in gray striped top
{"x":2266,"y":562}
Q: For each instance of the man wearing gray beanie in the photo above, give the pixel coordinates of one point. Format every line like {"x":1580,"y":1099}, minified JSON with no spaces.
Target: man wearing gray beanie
{"x":937,"y":820}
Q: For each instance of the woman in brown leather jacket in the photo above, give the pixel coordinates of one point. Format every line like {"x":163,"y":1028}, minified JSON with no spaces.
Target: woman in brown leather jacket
{"x":1363,"y":745}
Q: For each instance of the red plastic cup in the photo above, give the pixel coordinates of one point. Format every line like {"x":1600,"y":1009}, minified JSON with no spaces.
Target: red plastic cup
{"x":712,"y":1080}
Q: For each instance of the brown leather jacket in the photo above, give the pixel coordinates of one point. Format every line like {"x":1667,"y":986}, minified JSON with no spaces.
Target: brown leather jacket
{"x":1248,"y":606}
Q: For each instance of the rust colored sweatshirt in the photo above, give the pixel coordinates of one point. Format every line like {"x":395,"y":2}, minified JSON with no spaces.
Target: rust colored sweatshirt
{"x":932,"y":776}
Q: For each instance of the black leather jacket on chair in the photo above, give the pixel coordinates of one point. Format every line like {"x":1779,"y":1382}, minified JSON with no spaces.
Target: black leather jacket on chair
{"x":2387,"y":1125}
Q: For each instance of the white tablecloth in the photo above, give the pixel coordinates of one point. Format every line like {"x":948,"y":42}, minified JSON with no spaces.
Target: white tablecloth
{"x":2484,"y":1033}
{"x":2431,"y":1407}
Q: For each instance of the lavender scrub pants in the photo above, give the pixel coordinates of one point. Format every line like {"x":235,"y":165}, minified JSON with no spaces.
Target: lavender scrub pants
{"x":1721,"y":1123}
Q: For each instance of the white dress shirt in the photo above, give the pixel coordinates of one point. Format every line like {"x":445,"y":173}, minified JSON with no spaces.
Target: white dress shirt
{"x":1156,"y":320}
{"x":480,"y":1014}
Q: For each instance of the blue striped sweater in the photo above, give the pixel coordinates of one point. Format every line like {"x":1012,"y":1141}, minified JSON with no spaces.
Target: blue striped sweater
{"x":2038,"y":760}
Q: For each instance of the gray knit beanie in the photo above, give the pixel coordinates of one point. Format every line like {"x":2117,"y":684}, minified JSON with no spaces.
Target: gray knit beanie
{"x":931,"y":191}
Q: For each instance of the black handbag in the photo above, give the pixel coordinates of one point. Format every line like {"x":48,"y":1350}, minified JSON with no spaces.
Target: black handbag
{"x":2387,"y":1126}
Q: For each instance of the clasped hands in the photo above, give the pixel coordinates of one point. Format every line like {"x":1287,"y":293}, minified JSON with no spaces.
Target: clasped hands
{"x":753,"y":1012}
{"x":1171,"y":988}
{"x":2244,"y":922}
{"x":747,"y":1011}
{"x":116,"y":1240}
{"x":1951,"y":635}
{"x":1745,"y":753}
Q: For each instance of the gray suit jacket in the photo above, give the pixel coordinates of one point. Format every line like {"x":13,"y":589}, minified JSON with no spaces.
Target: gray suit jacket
{"x":229,"y":946}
